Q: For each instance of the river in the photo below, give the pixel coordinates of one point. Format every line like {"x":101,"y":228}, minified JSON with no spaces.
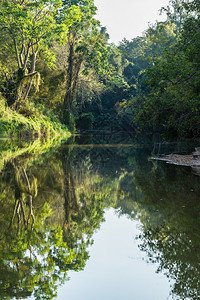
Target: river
{"x":96,"y":218}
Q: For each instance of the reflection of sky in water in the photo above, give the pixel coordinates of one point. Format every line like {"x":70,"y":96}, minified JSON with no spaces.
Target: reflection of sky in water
{"x":116,"y":269}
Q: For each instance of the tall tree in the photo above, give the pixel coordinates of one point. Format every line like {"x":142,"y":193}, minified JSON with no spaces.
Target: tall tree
{"x":29,"y":27}
{"x":175,"y":82}
{"x":86,"y":49}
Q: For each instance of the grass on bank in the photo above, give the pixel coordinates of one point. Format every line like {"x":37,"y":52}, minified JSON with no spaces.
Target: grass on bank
{"x":30,"y":121}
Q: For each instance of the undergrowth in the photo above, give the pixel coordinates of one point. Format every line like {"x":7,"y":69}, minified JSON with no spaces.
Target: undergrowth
{"x":30,"y":121}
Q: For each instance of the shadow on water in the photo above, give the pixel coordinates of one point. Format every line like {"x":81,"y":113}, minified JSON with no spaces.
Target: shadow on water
{"x":51,"y":205}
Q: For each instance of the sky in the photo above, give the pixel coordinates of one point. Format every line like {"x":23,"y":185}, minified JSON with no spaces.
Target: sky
{"x":128,"y":18}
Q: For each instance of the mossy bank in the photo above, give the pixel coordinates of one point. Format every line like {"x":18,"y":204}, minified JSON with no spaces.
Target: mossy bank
{"x":30,"y":122}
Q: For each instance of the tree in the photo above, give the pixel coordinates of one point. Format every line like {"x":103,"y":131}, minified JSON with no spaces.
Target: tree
{"x":86,"y":50}
{"x":28,"y":27}
{"x":175,"y":85}
{"x":141,"y":54}
{"x":170,"y":101}
{"x":176,"y":12}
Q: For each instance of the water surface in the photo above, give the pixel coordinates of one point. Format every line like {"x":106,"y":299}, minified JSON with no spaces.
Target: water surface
{"x":96,"y":218}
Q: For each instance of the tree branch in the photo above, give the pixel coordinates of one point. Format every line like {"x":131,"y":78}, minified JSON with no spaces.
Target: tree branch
{"x":21,"y":55}
{"x":17,"y":53}
{"x":26,"y":55}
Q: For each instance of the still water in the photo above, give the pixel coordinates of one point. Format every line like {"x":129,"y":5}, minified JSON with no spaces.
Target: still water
{"x":97,"y":218}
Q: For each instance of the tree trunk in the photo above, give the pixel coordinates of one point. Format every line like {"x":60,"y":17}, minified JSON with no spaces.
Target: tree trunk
{"x":73,"y":70}
{"x":69,"y":97}
{"x":23,"y":88}
{"x":29,"y":84}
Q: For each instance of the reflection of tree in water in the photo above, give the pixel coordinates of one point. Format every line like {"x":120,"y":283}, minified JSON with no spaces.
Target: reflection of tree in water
{"x":24,"y":193}
{"x":82,"y":205}
{"x":39,"y":243}
{"x":166,"y":201}
{"x":86,"y":193}
{"x":33,"y":256}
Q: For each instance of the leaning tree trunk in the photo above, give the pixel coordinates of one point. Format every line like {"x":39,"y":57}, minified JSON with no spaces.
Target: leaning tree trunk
{"x":24,"y":81}
{"x":33,"y":72}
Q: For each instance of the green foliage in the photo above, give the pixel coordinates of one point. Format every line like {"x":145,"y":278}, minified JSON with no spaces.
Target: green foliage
{"x":164,"y":67}
{"x":87,"y":53}
{"x":28,"y":29}
{"x":31,"y":121}
{"x":56,"y":55}
{"x":127,"y":77}
{"x":174,"y":99}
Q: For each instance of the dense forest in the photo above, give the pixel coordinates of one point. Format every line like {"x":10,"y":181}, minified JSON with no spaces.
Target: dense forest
{"x":58,"y":71}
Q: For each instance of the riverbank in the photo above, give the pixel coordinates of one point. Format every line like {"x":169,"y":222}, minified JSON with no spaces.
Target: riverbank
{"x":30,"y":122}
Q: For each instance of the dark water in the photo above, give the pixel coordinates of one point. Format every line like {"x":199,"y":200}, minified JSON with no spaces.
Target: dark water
{"x":96,"y":218}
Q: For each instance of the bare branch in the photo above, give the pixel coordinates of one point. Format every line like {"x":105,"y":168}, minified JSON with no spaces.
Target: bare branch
{"x":27,"y":55}
{"x":21,"y":55}
{"x":17,"y":53}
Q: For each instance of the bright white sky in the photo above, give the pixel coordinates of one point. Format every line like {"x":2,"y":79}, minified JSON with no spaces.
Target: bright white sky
{"x":128,"y":18}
